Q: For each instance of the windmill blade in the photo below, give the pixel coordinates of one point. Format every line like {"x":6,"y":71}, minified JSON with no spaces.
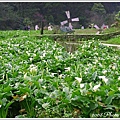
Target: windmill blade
{"x":64,"y":22}
{"x":75,"y":19}
{"x":68,"y":14}
{"x":95,"y":26}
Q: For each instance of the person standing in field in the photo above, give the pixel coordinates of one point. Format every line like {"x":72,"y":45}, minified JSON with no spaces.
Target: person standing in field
{"x":36,"y":27}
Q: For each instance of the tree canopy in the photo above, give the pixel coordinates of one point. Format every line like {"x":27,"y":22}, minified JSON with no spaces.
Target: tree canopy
{"x":15,"y":15}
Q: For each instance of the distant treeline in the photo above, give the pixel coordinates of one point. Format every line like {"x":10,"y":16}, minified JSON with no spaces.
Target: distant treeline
{"x":16,"y":15}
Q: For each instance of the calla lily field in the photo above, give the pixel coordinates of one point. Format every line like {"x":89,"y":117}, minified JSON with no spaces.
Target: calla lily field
{"x":40,"y":79}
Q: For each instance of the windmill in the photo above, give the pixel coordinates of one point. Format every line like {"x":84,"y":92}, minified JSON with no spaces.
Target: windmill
{"x":69,"y":20}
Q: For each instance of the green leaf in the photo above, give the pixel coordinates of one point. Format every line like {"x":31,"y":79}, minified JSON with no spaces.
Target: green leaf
{"x":66,"y":90}
{"x":94,"y":75}
{"x":66,"y":101}
{"x":109,"y":99}
{"x":111,"y":93}
{"x":8,"y":104}
{"x":7,"y":89}
{"x":24,"y":90}
{"x":93,"y":106}
{"x":4,"y":100}
{"x":45,"y":105}
{"x":110,"y":107}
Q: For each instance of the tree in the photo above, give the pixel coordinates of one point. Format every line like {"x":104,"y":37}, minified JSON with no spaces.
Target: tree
{"x":7,"y":16}
{"x":51,"y":19}
{"x":117,"y":18}
{"x":12,"y":14}
{"x":27,"y":21}
{"x":98,"y":8}
{"x":98,"y":14}
{"x":109,"y":19}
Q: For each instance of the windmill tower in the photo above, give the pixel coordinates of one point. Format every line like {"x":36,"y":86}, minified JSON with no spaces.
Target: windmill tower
{"x":69,"y":20}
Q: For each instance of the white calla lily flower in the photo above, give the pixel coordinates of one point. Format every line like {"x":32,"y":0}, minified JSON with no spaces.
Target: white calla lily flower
{"x":103,"y":78}
{"x":82,"y":85}
{"x":31,"y":59}
{"x":67,"y":69}
{"x":33,"y":69}
{"x":78,"y":79}
{"x":24,"y":96}
{"x":104,"y":71}
{"x":95,"y":88}
{"x":26,"y":77}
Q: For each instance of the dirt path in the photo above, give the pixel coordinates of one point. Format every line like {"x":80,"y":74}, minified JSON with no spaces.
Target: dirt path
{"x":112,"y":45}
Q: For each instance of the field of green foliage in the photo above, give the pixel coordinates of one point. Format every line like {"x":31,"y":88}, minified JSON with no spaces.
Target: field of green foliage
{"x":40,"y":79}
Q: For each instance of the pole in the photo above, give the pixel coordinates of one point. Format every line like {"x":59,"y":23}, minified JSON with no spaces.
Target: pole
{"x":42,"y":27}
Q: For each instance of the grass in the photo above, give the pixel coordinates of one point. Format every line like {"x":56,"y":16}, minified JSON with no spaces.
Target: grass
{"x":88,"y":31}
{"x":78,"y":31}
{"x":111,"y":30}
{"x":115,"y":40}
{"x":85,"y":31}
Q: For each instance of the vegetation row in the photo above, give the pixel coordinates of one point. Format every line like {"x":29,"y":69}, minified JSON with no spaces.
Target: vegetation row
{"x":40,"y":79}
